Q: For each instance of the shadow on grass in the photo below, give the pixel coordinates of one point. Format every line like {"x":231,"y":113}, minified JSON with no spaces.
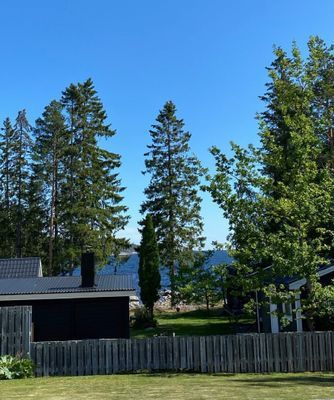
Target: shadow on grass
{"x":269,"y":380}
{"x":202,"y":314}
{"x":274,"y":381}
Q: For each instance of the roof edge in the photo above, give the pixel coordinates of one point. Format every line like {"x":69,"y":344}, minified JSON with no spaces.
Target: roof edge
{"x":73,"y":295}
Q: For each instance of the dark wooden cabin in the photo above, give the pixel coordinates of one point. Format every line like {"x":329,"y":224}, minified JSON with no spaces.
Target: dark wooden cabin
{"x":67,"y":307}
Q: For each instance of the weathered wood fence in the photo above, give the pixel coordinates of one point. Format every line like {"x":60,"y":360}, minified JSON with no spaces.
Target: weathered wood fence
{"x":15,"y":329}
{"x":283,"y":352}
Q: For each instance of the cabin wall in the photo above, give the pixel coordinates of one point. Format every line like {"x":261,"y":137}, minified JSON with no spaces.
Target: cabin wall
{"x":66,"y":319}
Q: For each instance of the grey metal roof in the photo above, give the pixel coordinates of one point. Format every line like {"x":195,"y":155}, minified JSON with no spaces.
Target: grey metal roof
{"x":28,"y":267}
{"x":64,"y":284}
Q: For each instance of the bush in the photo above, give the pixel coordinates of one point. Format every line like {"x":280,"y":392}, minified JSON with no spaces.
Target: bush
{"x":142,"y":319}
{"x":15,"y":367}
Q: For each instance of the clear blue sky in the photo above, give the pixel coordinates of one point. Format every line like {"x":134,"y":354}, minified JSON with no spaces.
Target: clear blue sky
{"x":208,"y":56}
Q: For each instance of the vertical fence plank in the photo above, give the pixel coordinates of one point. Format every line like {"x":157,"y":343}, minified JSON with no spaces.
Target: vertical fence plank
{"x":176,"y":354}
{"x":235,"y":353}
{"x":38,"y":360}
{"x":322,"y":351}
{"x":315,"y":346}
{"x":135,"y":355}
{"x":202,"y":349}
{"x":128,"y":366}
{"x":169,"y":353}
{"x":156,"y":354}
{"x":329,"y":351}
{"x":163,"y":353}
{"x":196,"y":354}
{"x":115,"y":359}
{"x":183,"y":353}
{"x":108,"y":355}
{"x":81,"y":358}
{"x":216,"y":354}
{"x":229,"y":353}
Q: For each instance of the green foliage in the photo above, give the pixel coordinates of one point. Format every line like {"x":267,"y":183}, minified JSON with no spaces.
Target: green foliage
{"x":279,"y":198}
{"x":171,"y":196}
{"x":149,"y":263}
{"x":61,"y":195}
{"x":7,"y":225}
{"x":201,"y":284}
{"x":143,"y":319}
{"x":15,"y":150}
{"x":51,"y":141}
{"x":15,"y":368}
{"x":90,"y":211}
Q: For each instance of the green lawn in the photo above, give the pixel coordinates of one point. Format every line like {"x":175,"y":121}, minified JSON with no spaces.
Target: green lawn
{"x":197,"y":322}
{"x":173,"y":387}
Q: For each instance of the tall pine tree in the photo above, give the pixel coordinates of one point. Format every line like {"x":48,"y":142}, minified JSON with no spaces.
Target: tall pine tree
{"x":172,"y":194}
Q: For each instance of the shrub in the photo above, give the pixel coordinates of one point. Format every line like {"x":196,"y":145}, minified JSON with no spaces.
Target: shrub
{"x":142,"y":319}
{"x":15,"y":367}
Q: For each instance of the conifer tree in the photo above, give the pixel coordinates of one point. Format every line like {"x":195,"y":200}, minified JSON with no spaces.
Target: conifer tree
{"x":7,"y":229}
{"x":91,"y":210}
{"x":35,"y":220}
{"x":172,"y":194}
{"x":319,"y":72}
{"x":149,"y":263}
{"x":21,"y":150}
{"x":49,"y":150}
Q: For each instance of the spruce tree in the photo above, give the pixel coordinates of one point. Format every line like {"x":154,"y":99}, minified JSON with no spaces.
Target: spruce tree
{"x":319,"y":72}
{"x":20,"y":160}
{"x":35,"y":220}
{"x":7,"y":228}
{"x":149,"y":263}
{"x":51,"y":140}
{"x":172,"y":194}
{"x":90,"y":211}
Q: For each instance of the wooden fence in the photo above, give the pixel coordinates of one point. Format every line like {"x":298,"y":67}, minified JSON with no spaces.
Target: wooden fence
{"x":283,"y":352}
{"x":266,"y":352}
{"x":15,"y":329}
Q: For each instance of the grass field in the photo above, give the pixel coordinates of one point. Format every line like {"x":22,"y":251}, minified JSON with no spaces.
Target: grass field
{"x":197,"y":322}
{"x":173,"y":387}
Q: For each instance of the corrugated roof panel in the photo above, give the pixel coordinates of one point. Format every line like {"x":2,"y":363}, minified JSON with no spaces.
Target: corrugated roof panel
{"x":64,"y":284}
{"x":28,"y":267}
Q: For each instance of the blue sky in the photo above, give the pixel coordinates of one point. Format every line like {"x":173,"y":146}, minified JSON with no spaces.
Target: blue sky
{"x":207,"y":56}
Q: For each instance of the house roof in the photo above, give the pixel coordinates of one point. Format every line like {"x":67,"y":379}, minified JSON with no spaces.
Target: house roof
{"x":296,"y":283}
{"x":65,"y":287}
{"x":28,"y":267}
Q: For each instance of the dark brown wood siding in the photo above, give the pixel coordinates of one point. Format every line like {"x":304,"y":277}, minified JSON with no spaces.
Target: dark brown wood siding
{"x":90,"y":318}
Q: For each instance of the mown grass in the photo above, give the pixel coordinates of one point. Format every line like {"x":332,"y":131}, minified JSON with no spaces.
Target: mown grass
{"x":194,"y":323}
{"x":173,"y":387}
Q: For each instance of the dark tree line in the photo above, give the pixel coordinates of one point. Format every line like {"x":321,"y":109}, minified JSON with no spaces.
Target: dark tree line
{"x":60,"y":192}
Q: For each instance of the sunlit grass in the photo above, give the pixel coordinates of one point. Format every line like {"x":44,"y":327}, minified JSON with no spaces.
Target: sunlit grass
{"x":196,"y":323}
{"x":173,"y":387}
